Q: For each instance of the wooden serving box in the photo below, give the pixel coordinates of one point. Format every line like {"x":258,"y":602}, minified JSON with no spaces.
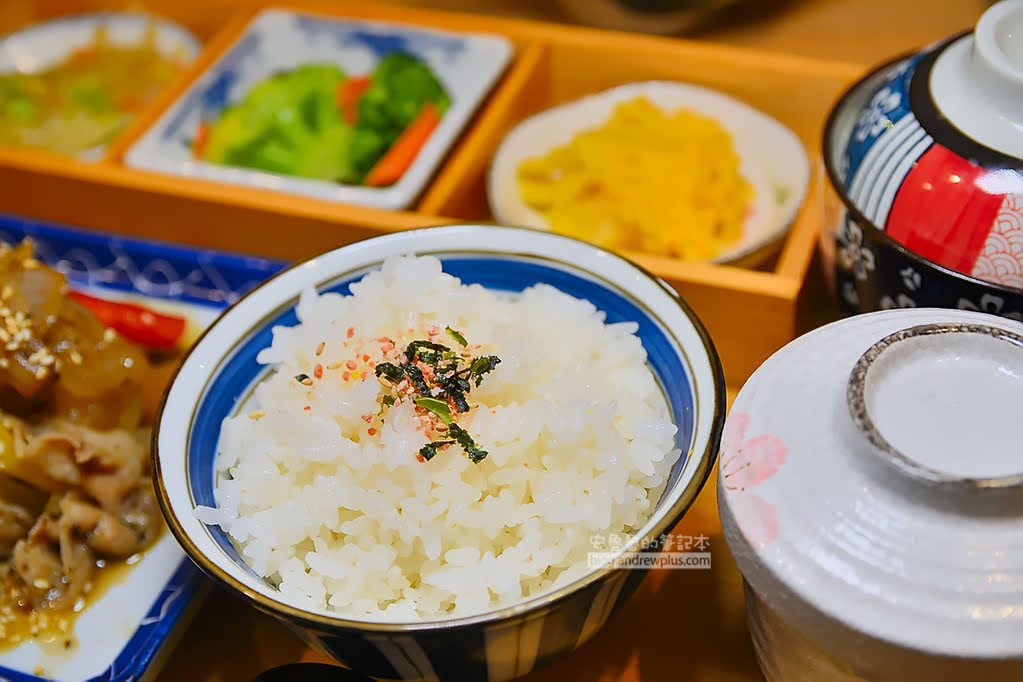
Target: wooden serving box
{"x":750,"y":313}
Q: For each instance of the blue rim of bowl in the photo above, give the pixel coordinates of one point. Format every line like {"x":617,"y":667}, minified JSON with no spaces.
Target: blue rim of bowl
{"x":668,"y":520}
{"x":839,"y":109}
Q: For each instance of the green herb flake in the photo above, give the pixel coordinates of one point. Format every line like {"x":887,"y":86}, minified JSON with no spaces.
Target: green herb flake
{"x":390,"y":371}
{"x":438,"y":407}
{"x":457,"y":336}
{"x":451,"y":377}
{"x":415,"y":375}
{"x":481,"y":366}
{"x":429,"y":451}
{"x":462,"y":437}
{"x":426,"y":352}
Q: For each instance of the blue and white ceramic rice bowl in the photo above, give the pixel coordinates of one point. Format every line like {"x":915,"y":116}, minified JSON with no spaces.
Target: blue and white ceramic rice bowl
{"x":499,"y":644}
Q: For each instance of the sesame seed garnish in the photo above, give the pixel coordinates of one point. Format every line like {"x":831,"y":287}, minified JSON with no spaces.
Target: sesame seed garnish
{"x":336,"y":365}
{"x":30,"y":264}
{"x":76,"y":357}
{"x":5,"y":336}
{"x":109,"y":335}
{"x":257,"y":414}
{"x":42,"y":373}
{"x":319,"y":348}
{"x":4,"y":364}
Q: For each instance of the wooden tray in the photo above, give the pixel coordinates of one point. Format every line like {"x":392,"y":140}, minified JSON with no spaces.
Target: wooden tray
{"x":681,"y":624}
{"x":749,"y":313}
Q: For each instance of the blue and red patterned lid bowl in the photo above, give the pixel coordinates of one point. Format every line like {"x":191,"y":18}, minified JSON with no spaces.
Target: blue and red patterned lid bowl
{"x":927,"y":150}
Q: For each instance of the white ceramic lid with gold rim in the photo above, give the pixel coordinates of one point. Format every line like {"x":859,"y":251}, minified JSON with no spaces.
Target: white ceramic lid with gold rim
{"x":871,"y":475}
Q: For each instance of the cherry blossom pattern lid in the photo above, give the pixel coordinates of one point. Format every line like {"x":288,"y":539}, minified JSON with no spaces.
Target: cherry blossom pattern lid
{"x":871,"y":478}
{"x":934,"y":159}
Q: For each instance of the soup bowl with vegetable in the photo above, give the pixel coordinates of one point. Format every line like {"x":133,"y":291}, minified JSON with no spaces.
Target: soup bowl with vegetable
{"x":418,"y":450}
{"x":72,"y":85}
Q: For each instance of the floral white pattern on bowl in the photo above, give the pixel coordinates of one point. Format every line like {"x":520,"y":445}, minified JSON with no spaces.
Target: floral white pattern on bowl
{"x":866,"y":549}
{"x":746,"y":463}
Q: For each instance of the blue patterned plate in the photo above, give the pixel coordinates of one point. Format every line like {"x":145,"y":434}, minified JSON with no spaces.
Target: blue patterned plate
{"x":121,"y":633}
{"x":276,"y":40}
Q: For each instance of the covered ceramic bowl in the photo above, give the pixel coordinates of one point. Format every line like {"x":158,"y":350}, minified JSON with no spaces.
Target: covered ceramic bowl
{"x":871,"y":491}
{"x":497,"y":644}
{"x":925,"y":154}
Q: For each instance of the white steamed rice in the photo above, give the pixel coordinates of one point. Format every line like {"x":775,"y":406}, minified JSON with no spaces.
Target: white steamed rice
{"x":579,"y":436}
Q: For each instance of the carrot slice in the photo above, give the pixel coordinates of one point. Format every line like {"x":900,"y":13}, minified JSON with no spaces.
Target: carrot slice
{"x":393,"y":164}
{"x":348,"y":94}
{"x":202,"y":138}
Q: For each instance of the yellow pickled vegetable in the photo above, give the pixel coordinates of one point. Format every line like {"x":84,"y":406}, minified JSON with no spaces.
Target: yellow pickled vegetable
{"x":667,"y":183}
{"x":7,"y":456}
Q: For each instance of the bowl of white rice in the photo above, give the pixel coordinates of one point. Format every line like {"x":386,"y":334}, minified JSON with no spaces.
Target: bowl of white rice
{"x":413,"y":449}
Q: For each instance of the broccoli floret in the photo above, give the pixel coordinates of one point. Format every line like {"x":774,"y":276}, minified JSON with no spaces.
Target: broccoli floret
{"x":399,"y":87}
{"x":287,"y":124}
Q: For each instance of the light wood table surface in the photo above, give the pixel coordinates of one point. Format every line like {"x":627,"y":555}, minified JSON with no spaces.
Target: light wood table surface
{"x":681,"y":625}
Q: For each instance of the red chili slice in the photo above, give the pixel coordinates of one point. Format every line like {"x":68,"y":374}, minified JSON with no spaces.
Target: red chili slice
{"x":134,"y":322}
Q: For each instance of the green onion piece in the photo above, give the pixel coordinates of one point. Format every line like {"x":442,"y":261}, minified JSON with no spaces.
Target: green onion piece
{"x":438,"y":407}
{"x":457,"y":336}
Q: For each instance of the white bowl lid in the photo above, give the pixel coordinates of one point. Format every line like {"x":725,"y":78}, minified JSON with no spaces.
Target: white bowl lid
{"x":871,"y":473}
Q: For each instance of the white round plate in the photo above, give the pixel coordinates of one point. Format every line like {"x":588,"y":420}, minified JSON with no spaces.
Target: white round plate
{"x":772,"y":157}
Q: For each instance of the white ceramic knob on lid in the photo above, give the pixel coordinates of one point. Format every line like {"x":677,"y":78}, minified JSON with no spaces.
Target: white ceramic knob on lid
{"x":871,"y":490}
{"x":978,"y":84}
